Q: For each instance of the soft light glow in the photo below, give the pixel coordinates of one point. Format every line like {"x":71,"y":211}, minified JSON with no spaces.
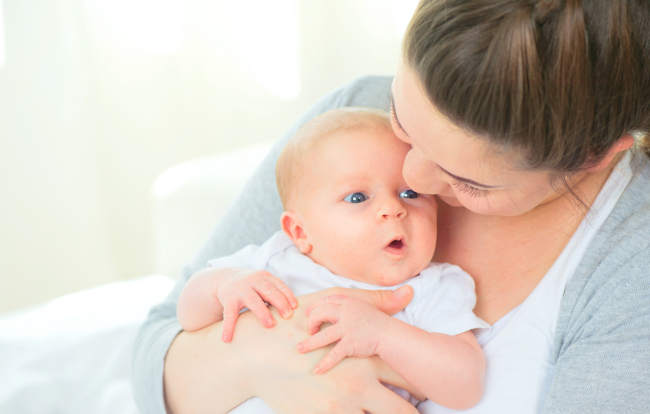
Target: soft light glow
{"x":403,"y":12}
{"x":268,"y":33}
{"x":2,"y":38}
{"x":155,"y":25}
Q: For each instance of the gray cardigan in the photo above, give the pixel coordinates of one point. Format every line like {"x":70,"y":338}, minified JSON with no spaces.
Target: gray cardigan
{"x":602,"y":344}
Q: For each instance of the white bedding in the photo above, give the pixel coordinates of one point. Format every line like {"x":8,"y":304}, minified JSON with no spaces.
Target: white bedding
{"x":73,"y":355}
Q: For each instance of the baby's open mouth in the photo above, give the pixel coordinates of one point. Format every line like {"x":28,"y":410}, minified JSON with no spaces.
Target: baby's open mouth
{"x":396,"y":244}
{"x":396,"y":247}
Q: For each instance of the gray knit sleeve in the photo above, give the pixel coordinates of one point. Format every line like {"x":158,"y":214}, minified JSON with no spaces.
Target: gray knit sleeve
{"x":602,"y":344}
{"x":252,"y":219}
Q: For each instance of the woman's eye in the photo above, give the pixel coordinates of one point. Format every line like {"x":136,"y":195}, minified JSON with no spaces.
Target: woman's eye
{"x":409,"y":194}
{"x":355,"y":198}
{"x":468,"y":189}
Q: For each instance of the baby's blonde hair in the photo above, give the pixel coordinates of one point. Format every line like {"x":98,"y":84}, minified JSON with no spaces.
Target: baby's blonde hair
{"x":292,"y":162}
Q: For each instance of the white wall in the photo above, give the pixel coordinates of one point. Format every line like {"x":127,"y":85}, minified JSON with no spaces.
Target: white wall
{"x":98,"y":97}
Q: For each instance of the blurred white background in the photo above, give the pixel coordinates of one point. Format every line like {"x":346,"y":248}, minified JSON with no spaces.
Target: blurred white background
{"x":98,"y":97}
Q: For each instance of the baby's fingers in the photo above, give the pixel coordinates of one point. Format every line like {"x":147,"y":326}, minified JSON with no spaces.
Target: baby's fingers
{"x":275,"y":292}
{"x":325,"y":313}
{"x":258,"y":307}
{"x":322,"y":338}
{"x":335,"y":356}
{"x":230,"y":315}
{"x":284,"y":289}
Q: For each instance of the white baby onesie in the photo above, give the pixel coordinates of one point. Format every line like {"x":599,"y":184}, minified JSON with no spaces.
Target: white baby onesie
{"x":443,"y":297}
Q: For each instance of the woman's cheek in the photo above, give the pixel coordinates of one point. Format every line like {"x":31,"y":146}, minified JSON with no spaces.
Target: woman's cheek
{"x":495,"y":205}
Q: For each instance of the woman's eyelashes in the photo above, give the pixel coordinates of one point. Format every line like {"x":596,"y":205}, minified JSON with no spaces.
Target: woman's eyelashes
{"x":468,"y":189}
{"x":355,"y":198}
{"x":396,"y":121}
{"x":393,"y":116}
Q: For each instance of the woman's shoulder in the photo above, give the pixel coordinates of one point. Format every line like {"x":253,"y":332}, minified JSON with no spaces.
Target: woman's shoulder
{"x":366,"y":91}
{"x":603,"y":330}
{"x":611,"y":287}
{"x":626,"y":230}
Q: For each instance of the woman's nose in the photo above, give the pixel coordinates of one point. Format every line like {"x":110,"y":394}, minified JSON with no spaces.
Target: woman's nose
{"x":422,"y":175}
{"x":391,"y":207}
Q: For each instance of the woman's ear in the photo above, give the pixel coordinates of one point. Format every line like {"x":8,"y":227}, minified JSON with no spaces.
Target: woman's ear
{"x":624,"y":143}
{"x":292,"y":226}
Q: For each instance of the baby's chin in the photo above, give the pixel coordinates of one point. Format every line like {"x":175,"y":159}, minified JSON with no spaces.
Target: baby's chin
{"x":393,"y":278}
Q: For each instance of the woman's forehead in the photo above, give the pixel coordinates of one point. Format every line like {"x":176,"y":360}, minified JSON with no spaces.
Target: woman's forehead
{"x":454,"y":149}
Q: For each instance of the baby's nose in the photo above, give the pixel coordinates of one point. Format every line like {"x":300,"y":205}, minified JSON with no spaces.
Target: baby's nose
{"x":392,"y":207}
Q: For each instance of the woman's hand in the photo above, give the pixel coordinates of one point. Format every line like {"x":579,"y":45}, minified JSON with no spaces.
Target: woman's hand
{"x":204,"y":374}
{"x":352,"y":386}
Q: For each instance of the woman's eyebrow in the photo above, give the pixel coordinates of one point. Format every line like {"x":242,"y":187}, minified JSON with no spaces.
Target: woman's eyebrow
{"x":392,"y":106}
{"x":466,"y":180}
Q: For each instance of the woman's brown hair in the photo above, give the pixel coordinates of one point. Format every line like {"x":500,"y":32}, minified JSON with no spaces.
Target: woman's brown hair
{"x":561,"y":80}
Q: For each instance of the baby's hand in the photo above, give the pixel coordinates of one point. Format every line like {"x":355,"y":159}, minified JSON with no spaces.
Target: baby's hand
{"x":251,"y":288}
{"x":357,"y":326}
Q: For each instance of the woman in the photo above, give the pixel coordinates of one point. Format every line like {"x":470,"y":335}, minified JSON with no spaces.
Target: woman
{"x":521,"y":117}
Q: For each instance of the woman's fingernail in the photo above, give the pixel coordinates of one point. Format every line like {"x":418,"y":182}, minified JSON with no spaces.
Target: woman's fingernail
{"x":294,"y":305}
{"x":270,"y":322}
{"x":287,"y":313}
{"x":224,"y":338}
{"x":300,"y":347}
{"x":401,"y":292}
{"x":317,"y":369}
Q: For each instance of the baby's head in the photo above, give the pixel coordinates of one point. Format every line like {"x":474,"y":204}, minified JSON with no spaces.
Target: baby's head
{"x":347,"y":206}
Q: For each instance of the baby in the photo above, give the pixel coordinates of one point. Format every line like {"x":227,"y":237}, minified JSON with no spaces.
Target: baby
{"x":352,"y":221}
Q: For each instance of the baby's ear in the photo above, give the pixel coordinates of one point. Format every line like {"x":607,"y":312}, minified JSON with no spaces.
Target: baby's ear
{"x":292,"y":226}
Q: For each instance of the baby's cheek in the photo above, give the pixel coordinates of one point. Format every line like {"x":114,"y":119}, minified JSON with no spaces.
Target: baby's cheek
{"x":427,"y":234}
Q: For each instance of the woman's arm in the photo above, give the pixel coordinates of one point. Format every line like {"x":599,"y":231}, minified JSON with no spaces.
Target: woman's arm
{"x":602,"y":345}
{"x":199,"y":363}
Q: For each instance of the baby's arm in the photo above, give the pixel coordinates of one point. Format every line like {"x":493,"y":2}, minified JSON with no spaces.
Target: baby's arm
{"x":447,"y":369}
{"x":213,"y":294}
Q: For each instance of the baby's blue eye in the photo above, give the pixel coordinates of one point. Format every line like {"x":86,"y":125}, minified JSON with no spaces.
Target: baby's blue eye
{"x":409,"y":194}
{"x":356,"y":198}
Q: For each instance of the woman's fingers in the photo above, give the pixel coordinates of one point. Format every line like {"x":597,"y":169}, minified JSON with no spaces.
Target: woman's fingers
{"x":271,"y":293}
{"x":388,"y":301}
{"x":335,"y":299}
{"x":388,"y":376}
{"x":381,"y":400}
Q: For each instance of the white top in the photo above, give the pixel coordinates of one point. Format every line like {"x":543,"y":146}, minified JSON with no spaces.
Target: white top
{"x":443,"y":294}
{"x":519,"y":347}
